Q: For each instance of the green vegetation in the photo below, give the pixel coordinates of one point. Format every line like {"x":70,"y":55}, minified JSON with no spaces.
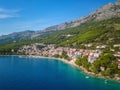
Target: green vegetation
{"x":82,"y":61}
{"x":11,"y":48}
{"x":111,"y":71}
{"x":64,"y":55}
{"x":106,"y":32}
{"x":108,"y":61}
{"x":96,"y":32}
{"x":57,"y":56}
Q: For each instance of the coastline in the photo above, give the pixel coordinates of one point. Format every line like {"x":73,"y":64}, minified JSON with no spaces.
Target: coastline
{"x":79,"y":67}
{"x":70,"y":63}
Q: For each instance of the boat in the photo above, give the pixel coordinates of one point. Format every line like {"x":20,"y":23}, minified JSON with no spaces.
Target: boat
{"x":87,"y":77}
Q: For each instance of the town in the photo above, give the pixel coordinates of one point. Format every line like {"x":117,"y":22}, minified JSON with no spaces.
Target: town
{"x":40,"y":49}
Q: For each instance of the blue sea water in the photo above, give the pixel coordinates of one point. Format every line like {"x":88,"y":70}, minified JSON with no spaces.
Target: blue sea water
{"x":47,"y":74}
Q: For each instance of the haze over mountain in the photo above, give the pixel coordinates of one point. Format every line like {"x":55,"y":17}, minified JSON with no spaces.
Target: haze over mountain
{"x":106,"y":12}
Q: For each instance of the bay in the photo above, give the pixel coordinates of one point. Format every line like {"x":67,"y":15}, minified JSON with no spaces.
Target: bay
{"x":23,"y":73}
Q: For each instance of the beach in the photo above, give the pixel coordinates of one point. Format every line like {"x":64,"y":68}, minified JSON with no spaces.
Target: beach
{"x":72,"y":62}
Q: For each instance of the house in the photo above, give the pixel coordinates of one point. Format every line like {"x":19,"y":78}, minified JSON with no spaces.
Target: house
{"x":118,"y":66}
{"x":116,"y":55}
{"x":102,"y":68}
{"x":91,"y":59}
{"x":117,"y":45}
{"x":118,"y":63}
{"x":101,"y":47}
{"x":87,"y":45}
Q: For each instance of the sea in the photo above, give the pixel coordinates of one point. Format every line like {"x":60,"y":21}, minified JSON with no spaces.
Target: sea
{"x":25,"y":73}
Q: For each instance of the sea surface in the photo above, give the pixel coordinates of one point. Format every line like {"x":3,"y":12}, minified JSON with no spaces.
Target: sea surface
{"x":23,"y":73}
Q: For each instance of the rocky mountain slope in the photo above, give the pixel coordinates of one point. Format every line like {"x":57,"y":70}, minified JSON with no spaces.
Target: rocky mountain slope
{"x":106,"y":12}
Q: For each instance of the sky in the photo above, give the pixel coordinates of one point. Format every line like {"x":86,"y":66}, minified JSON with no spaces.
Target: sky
{"x":21,"y":15}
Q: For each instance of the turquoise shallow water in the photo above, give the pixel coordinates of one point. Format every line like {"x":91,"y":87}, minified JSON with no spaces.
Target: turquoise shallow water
{"x":46,"y":74}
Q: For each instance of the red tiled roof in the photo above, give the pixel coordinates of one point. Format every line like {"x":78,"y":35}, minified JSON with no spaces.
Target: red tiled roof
{"x":118,"y":62}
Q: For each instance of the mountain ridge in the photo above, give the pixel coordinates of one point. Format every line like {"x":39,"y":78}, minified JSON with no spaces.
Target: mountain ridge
{"x":106,"y":12}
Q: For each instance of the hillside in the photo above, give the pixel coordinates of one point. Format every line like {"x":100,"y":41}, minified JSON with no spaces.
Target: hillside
{"x":106,"y":12}
{"x":100,"y":27}
{"x":106,"y":32}
{"x":102,"y":32}
{"x":16,"y":36}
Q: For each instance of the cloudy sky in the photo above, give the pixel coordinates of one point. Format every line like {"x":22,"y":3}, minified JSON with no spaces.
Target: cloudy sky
{"x":20,"y":15}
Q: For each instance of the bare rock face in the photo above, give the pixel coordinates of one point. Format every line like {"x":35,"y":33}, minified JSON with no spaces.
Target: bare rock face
{"x":108,"y":11}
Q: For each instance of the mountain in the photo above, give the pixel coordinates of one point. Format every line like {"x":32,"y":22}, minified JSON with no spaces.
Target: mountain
{"x":16,"y":36}
{"x":106,"y":12}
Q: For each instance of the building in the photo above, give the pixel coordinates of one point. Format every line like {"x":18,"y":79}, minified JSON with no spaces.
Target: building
{"x":118,"y":63}
{"x":102,"y":68}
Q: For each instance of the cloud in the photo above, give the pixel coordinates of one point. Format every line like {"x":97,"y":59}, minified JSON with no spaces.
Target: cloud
{"x":3,"y":16}
{"x":8,"y":13}
{"x":2,"y":10}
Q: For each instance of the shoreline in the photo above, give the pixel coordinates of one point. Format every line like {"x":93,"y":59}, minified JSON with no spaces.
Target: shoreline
{"x":79,"y":67}
{"x":73,"y":64}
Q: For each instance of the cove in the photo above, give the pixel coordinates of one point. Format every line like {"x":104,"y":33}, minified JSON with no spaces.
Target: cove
{"x":23,"y":73}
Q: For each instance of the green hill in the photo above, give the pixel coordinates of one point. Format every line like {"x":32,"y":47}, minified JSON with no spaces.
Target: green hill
{"x":105,"y":32}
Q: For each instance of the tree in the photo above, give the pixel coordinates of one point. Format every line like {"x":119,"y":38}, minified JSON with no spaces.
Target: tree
{"x":106,"y":72}
{"x":114,"y":68}
{"x":56,"y":55}
{"x":83,"y":62}
{"x":108,"y":61}
{"x":79,"y":62}
{"x":64,"y":55}
{"x":96,"y":67}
